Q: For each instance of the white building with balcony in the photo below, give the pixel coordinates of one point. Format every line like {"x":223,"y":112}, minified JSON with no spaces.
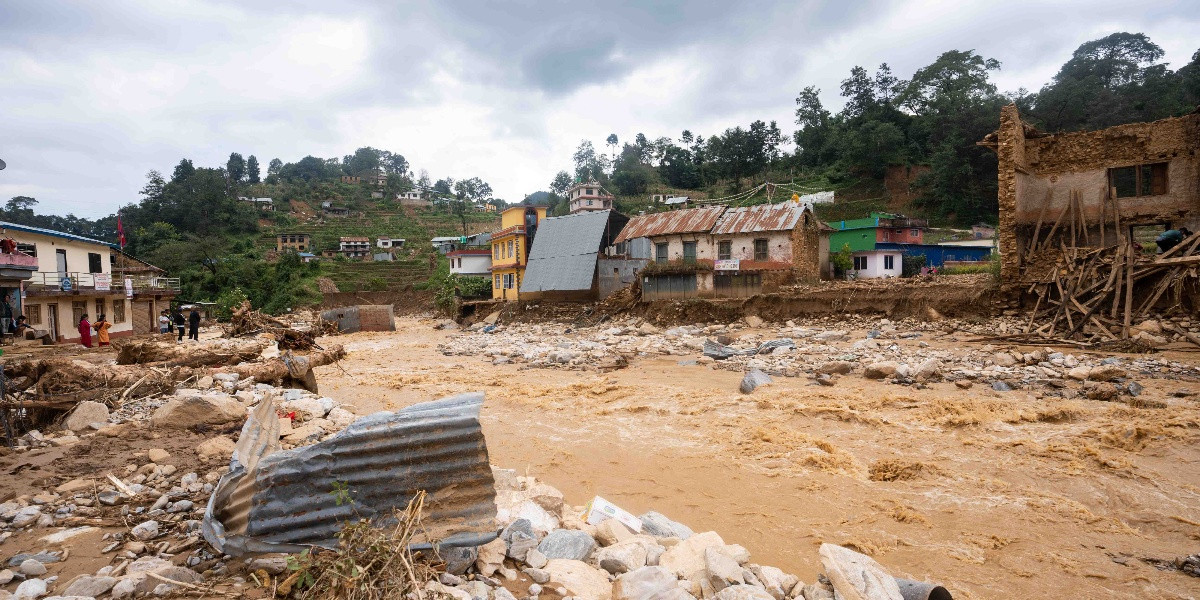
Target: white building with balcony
{"x":73,"y":275}
{"x":589,"y":196}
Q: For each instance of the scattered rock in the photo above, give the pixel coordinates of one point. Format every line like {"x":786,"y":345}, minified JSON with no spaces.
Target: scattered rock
{"x":643,"y":584}
{"x":1004,"y":359}
{"x":880,"y":370}
{"x":536,"y":559}
{"x":580,"y":579}
{"x":623,"y":557}
{"x":659,"y":526}
{"x":567,"y":544}
{"x":721,"y":571}
{"x":754,"y":321}
{"x":86,"y":413}
{"x":158,"y":455}
{"x":30,"y":589}
{"x":612,"y":531}
{"x":32,"y":568}
{"x":1001,"y":386}
{"x":89,"y":586}
{"x":687,"y":557}
{"x":837,"y":367}
{"x":743,"y":592}
{"x":146,"y":530}
{"x":753,"y":380}
{"x":857,"y":576}
{"x":191,"y":411}
{"x":491,"y":557}
{"x":1106,"y":373}
{"x":218,"y":448}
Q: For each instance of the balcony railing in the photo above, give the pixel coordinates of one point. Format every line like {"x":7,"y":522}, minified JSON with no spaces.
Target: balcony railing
{"x":72,"y":281}
{"x":18,"y":259}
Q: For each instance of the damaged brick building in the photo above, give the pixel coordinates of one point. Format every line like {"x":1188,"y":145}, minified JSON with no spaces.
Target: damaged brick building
{"x":1076,"y":187}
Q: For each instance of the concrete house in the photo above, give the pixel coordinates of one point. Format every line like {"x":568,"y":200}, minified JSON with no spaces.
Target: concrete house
{"x":589,"y":196}
{"x":293,"y":242}
{"x":471,"y":262}
{"x":354,"y":247}
{"x":389,"y":242}
{"x":510,"y":248}
{"x":75,"y":275}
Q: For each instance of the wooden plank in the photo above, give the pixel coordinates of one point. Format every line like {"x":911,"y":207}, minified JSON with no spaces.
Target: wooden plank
{"x":1128,"y":295}
{"x":1057,"y":222}
{"x":1038,"y":229}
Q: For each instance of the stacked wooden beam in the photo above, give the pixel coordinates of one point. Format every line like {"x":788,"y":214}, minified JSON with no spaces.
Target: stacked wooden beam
{"x":1095,"y":294}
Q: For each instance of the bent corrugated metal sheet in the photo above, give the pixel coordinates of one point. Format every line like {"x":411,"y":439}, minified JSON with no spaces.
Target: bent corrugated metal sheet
{"x":283,"y":500}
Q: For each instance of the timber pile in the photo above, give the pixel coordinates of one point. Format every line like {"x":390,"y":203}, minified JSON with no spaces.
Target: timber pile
{"x":249,"y":322}
{"x":167,"y":354}
{"x":1093,"y":295}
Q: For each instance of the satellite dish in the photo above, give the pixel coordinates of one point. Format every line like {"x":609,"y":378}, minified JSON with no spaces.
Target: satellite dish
{"x":2,"y":165}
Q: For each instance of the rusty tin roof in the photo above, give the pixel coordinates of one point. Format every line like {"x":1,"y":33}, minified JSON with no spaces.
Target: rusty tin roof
{"x":763,"y":217}
{"x":691,"y":220}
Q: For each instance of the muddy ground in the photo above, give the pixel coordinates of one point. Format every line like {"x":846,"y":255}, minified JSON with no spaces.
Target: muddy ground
{"x":994,"y":494}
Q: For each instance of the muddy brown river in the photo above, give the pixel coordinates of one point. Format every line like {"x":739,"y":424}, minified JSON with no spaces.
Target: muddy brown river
{"x":994,"y":495}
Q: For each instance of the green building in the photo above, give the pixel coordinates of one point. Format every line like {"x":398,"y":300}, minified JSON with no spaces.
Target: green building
{"x":863,"y":234}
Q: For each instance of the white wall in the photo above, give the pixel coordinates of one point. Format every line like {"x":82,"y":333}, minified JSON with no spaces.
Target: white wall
{"x":472,"y":264}
{"x":875,"y":262}
{"x":77,"y":252}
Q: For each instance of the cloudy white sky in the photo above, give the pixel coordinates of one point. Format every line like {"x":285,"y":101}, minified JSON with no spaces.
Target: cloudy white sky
{"x":95,"y":94}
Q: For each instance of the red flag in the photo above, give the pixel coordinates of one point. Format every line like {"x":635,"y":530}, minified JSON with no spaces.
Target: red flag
{"x":120,"y":233}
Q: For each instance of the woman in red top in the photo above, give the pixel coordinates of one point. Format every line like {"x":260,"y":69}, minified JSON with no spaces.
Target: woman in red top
{"x":85,"y":331}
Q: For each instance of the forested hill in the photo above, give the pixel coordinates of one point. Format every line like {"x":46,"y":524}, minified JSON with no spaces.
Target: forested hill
{"x":929,"y":121}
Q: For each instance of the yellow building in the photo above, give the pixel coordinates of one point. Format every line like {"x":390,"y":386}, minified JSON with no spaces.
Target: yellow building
{"x":510,"y":249}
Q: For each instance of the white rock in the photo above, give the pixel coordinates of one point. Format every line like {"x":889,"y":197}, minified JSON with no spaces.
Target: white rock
{"x":743,"y":592}
{"x":580,"y":579}
{"x":643,"y":584}
{"x":721,"y":571}
{"x":158,"y":455}
{"x":147,"y":530}
{"x":687,"y":557}
{"x":86,"y":413}
{"x":30,"y":589}
{"x":32,"y":567}
{"x":857,"y":576}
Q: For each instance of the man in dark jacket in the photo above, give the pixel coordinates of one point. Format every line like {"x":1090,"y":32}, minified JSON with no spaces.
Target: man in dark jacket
{"x":194,"y":325}
{"x":180,"y":322}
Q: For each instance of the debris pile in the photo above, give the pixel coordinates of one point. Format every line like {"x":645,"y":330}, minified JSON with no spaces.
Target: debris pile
{"x":246,"y":322}
{"x":908,"y":352}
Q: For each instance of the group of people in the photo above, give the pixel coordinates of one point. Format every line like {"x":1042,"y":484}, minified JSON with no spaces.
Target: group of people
{"x":192,"y":322}
{"x":102,"y":325}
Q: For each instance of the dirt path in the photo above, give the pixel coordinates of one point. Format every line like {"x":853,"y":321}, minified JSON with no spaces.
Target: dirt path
{"x":996,"y":495}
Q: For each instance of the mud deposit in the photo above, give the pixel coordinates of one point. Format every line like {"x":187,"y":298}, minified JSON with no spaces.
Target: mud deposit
{"x":994,"y":494}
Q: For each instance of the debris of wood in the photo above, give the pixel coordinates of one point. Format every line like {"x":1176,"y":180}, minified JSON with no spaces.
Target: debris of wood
{"x":289,"y":368}
{"x":167,"y":354}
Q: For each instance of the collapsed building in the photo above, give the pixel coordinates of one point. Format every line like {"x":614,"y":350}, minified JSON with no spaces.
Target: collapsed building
{"x":1147,"y":174}
{"x":1079,"y":216}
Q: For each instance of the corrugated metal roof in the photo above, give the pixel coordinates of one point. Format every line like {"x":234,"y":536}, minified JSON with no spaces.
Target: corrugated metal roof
{"x":563,"y":256}
{"x":281,"y":501}
{"x":689,"y":220}
{"x":50,"y":232}
{"x":763,"y":217}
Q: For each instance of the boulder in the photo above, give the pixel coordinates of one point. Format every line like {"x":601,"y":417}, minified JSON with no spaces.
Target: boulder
{"x":218,"y":448}
{"x":659,"y":526}
{"x":837,"y":367}
{"x":1107,"y":373}
{"x":1079,"y":373}
{"x":90,"y":586}
{"x":158,"y":455}
{"x":491,"y":557}
{"x":643,"y":584}
{"x":32,"y":567}
{"x":86,"y":413}
{"x":581,"y":580}
{"x":687,"y":557}
{"x":273,"y":565}
{"x":880,"y":370}
{"x":612,"y":531}
{"x":622,"y":558}
{"x":76,"y":485}
{"x":1004,"y":359}
{"x":535,"y":559}
{"x":930,"y":370}
{"x":511,"y":506}
{"x":30,"y":589}
{"x":743,"y":592}
{"x":191,"y":411}
{"x":147,"y":530}
{"x":458,"y":558}
{"x":753,"y":380}
{"x":720,"y":570}
{"x":754,"y":321}
{"x":774,"y":580}
{"x":567,"y":544}
{"x":857,"y":576}
{"x":311,"y":408}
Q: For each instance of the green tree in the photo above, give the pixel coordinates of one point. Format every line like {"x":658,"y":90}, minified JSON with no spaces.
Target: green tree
{"x":236,"y":167}
{"x":561,"y":183}
{"x":252,"y":171}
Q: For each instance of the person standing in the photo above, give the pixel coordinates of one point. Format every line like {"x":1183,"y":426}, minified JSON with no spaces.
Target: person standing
{"x":101,"y":326}
{"x":85,"y":331}
{"x":179,"y":323}
{"x":164,"y":322}
{"x":194,"y":325}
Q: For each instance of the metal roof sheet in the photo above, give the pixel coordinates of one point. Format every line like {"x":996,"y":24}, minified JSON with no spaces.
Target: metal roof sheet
{"x":51,"y":232}
{"x":563,"y":256}
{"x":280,"y":500}
{"x":763,"y":217}
{"x":689,"y":220}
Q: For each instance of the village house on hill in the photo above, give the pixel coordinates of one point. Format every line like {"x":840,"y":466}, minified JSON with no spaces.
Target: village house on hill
{"x":589,"y":196}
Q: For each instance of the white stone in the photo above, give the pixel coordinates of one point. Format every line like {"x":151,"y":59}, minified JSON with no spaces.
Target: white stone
{"x":687,"y":557}
{"x":580,"y":579}
{"x":30,"y":589}
{"x":643,"y":584}
{"x":857,"y":576}
{"x":86,"y":413}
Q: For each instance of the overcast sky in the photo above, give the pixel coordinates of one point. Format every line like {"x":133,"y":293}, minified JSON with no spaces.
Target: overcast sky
{"x":95,"y":94}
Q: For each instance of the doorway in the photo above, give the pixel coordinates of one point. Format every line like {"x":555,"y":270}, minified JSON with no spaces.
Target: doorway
{"x":61,"y":256}
{"x":52,"y":320}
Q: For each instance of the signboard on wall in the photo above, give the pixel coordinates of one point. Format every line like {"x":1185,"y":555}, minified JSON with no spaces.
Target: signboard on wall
{"x":128,"y":287}
{"x":103,"y":281}
{"x":727,"y":265}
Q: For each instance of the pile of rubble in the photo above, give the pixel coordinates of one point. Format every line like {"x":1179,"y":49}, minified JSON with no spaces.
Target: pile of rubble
{"x":142,"y":509}
{"x":906,"y":352}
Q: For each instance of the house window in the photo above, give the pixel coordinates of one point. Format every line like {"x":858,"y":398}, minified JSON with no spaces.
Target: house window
{"x":689,"y":251}
{"x":1139,"y":180}
{"x":889,"y":262}
{"x":760,"y":249}
{"x":589,"y":191}
{"x":724,"y":250}
{"x":33,"y":312}
{"x":99,"y":308}
{"x":94,"y":263}
{"x":660,"y":253}
{"x":914,"y":232}
{"x":497,"y":282}
{"x":30,"y":249}
{"x":589,"y":202}
{"x":510,"y":248}
{"x":887,"y":236}
{"x":508,"y":281}
{"x":495,"y":253}
{"x":860,"y":263}
{"x":118,"y":311}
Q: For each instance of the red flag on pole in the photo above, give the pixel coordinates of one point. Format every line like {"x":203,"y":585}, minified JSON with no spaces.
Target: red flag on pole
{"x":120,"y":233}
